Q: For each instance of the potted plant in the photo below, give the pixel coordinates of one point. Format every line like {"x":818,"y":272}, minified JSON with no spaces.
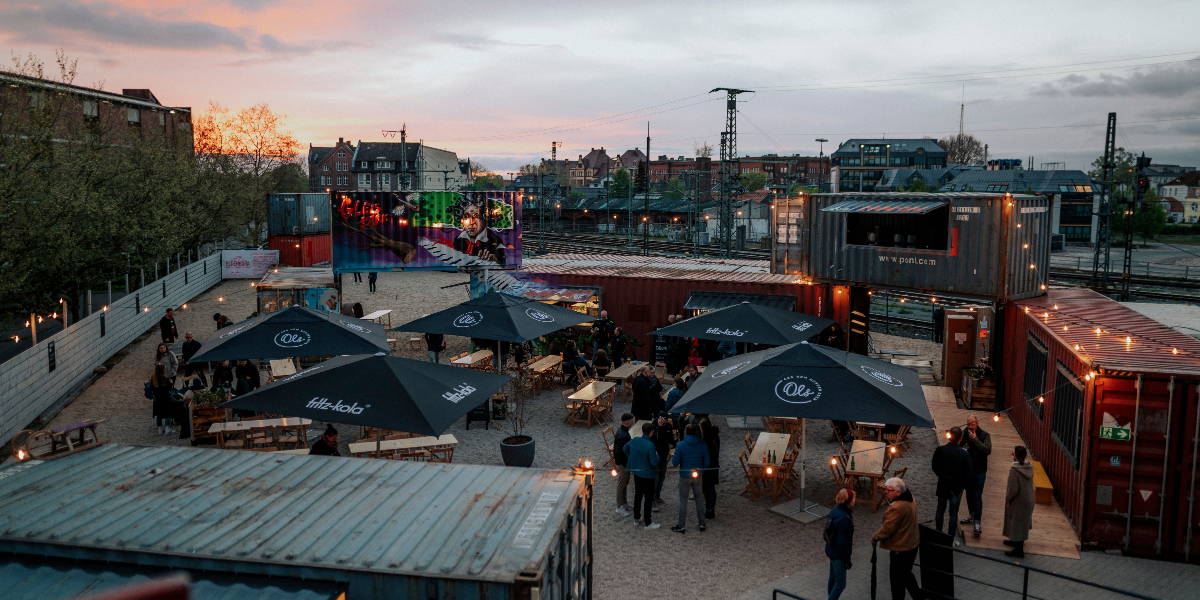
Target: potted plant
{"x":517,"y":450}
{"x":979,"y":386}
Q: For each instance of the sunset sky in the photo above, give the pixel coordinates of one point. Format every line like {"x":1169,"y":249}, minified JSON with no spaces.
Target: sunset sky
{"x":498,"y":82}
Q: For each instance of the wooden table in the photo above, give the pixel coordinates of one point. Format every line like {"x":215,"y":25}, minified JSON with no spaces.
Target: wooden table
{"x":545,"y":364}
{"x":417,"y":443}
{"x":383,"y":317}
{"x":623,"y":372}
{"x":775,"y":442}
{"x":282,"y":368}
{"x":878,"y":427}
{"x":867,"y":458}
{"x":473,"y":359}
{"x":243,"y":427}
{"x":592,"y":391}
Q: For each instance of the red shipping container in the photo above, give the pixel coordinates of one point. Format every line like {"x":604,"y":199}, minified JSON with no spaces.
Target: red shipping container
{"x":301,"y":251}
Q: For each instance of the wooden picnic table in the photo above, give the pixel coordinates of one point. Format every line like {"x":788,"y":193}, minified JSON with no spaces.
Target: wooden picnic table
{"x":281,"y":368}
{"x":545,"y":364}
{"x":417,"y":443}
{"x":623,"y":372}
{"x":775,"y":442}
{"x":243,"y":427}
{"x":592,"y":391}
{"x":383,"y":317}
{"x":474,"y":358}
{"x":878,"y":427}
{"x":867,"y":458}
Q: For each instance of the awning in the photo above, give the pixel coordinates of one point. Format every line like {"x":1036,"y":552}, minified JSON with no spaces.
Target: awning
{"x":716,"y":300}
{"x":906,"y":207}
{"x":572,"y":295}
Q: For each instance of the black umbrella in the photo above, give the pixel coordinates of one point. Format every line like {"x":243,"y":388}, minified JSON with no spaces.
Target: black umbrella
{"x":500,"y":317}
{"x":809,"y":381}
{"x":377,"y":391}
{"x":294,"y":331}
{"x":750,"y":323}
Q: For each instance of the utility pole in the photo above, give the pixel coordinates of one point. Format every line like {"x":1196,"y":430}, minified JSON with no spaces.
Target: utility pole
{"x":729,"y":169}
{"x":541,"y":214}
{"x":821,"y":166}
{"x":1141,"y":184}
{"x":646,"y":228}
{"x":1101,"y":264}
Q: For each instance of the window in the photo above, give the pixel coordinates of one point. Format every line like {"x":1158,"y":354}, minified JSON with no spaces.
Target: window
{"x":1067,"y":417}
{"x":91,"y":110}
{"x":341,"y":154}
{"x":928,"y":231}
{"x":162,"y":119}
{"x":364,"y":165}
{"x":383,"y":164}
{"x":997,"y":187}
{"x":1195,"y":207}
{"x":1076,"y":233}
{"x":134,"y":115}
{"x":364,"y":179}
{"x":325,"y":168}
{"x":1035,"y":374}
{"x":385,"y":181}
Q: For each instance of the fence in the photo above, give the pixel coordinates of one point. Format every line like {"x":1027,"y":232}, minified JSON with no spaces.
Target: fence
{"x":33,"y":381}
{"x":1146,"y":269}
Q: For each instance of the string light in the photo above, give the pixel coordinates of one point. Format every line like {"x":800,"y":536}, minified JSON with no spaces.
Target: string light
{"x":996,"y":417}
{"x":613,"y":472}
{"x":1041,"y":399}
{"x":1055,"y":307}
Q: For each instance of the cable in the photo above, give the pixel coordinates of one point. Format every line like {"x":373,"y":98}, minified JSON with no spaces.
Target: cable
{"x":755,"y":125}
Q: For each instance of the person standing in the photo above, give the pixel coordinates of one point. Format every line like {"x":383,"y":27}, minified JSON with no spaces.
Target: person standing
{"x":163,"y":408}
{"x":952,"y":465}
{"x":327,"y":444}
{"x":939,"y":323}
{"x":166,"y":326}
{"x":619,"y":346}
{"x":163,"y":356}
{"x":727,"y":349}
{"x":664,"y":440}
{"x":602,"y":333}
{"x":645,"y":396}
{"x":900,"y":537}
{"x":672,"y":345}
{"x":676,"y":393}
{"x":435,"y":343}
{"x":978,"y":444}
{"x":622,"y":438}
{"x":711,"y":436}
{"x":839,"y":541}
{"x":371,"y":278}
{"x":358,"y":279}
{"x":642,"y":461}
{"x":190,"y":348}
{"x":691,"y":456}
{"x":1018,"y":503}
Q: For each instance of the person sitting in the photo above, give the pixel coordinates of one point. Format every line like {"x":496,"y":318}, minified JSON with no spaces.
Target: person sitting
{"x":601,"y":361}
{"x":579,"y":365}
{"x":676,"y":393}
{"x":327,"y":445}
{"x":570,"y":352}
{"x":222,"y":375}
{"x":247,"y":378}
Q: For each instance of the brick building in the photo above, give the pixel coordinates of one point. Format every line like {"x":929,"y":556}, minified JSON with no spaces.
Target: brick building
{"x":329,"y":167}
{"x":411,"y":166}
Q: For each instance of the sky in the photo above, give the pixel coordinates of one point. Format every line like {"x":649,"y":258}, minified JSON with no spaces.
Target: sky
{"x":500,"y":81}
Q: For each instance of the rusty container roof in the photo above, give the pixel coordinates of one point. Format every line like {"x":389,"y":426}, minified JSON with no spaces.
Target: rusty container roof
{"x":1112,"y":337}
{"x":695,"y":269}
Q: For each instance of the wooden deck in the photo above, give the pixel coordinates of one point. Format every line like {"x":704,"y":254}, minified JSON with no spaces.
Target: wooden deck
{"x":1052,"y":534}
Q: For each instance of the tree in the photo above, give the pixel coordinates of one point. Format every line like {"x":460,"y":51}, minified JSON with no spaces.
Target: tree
{"x":620,"y":185}
{"x":641,"y":181}
{"x":1122,"y":175}
{"x":674,"y":189}
{"x":703,"y":150}
{"x":962,"y":149}
{"x":486,"y":181}
{"x":754,"y":180}
{"x":917,"y":187}
{"x":1150,"y":217}
{"x":796,"y":189}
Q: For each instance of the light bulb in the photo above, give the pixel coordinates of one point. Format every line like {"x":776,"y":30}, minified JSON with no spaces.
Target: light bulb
{"x":613,"y":472}
{"x":587,"y":464}
{"x":996,"y":417}
{"x":1041,"y":399}
{"x":769,"y":471}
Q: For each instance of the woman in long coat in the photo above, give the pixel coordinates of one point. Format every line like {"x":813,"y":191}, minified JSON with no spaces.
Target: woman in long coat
{"x":1018,"y":503}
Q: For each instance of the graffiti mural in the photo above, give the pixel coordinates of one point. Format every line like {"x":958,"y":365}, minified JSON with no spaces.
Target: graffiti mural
{"x":377,"y":231}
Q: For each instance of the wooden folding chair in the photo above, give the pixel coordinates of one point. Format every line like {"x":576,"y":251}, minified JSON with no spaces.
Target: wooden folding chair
{"x":899,"y":439}
{"x":749,"y":443}
{"x":755,"y":482}
{"x":610,"y":437}
{"x":575,"y":413}
{"x":441,"y":454}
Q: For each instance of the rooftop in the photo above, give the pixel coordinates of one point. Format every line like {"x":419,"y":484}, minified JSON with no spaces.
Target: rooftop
{"x":694,"y":269}
{"x":851,"y":147}
{"x":1040,"y":182}
{"x":148,"y":102}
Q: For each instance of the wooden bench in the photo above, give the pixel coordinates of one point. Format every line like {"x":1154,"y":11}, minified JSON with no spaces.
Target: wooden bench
{"x":60,"y":441}
{"x":1043,"y":489}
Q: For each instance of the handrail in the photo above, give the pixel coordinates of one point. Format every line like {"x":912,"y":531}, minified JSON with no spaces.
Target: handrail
{"x":775,"y":595}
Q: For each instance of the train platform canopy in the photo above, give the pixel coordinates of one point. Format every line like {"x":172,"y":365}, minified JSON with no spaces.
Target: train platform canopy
{"x":1110,"y":336}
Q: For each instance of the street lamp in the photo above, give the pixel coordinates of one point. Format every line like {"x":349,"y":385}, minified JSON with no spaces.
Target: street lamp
{"x":821,"y":165}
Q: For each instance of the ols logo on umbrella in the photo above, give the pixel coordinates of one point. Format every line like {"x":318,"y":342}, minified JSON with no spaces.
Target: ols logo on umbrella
{"x":468,"y":319}
{"x":538,"y":315}
{"x":797,"y":389}
{"x":730,"y":370}
{"x":881,"y":376}
{"x":802,"y":325}
{"x":354,"y":327}
{"x":292,"y":338}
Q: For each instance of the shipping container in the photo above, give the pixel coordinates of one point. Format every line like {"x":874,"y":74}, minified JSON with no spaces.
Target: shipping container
{"x":302,"y":250}
{"x":982,"y":246}
{"x":313,"y":287}
{"x":640,"y":292}
{"x":379,"y":528}
{"x":1106,"y":399}
{"x":298,"y":214}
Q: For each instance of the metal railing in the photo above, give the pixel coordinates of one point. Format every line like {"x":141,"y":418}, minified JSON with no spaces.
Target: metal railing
{"x":1082,"y":263}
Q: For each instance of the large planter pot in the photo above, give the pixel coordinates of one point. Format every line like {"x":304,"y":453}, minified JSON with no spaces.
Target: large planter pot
{"x":517,"y":451}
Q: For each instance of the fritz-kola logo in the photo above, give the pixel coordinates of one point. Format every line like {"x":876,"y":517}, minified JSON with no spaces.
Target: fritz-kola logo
{"x":730,"y":370}
{"x":325,"y":404}
{"x":292,"y":338}
{"x":797,"y":389}
{"x":354,"y":327}
{"x":462,"y":391}
{"x":801,"y":326}
{"x":234,"y":332}
{"x":881,"y":376}
{"x":469,"y":319}
{"x":731,"y":332}
{"x":538,"y":315}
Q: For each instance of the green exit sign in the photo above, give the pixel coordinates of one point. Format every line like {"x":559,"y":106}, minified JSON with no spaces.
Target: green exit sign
{"x":1114,"y":433}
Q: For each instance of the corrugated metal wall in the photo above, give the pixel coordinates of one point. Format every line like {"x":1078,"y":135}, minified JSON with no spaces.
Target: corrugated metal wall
{"x":983,"y":240}
{"x":28,"y":387}
{"x":309,"y":213}
{"x":302,"y":250}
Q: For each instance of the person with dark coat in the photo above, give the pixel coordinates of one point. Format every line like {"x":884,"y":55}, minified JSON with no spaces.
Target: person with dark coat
{"x":664,"y":440}
{"x":327,"y":444}
{"x":952,"y":465}
{"x":978,"y":444}
{"x":691,"y":456}
{"x":676,"y":393}
{"x":711,"y":436}
{"x":900,"y":536}
{"x":569,"y":352}
{"x":163,"y":408}
{"x":939,"y":323}
{"x":166,"y":326}
{"x":435,"y":343}
{"x":223,"y":375}
{"x":190,"y":348}
{"x":646,"y":399}
{"x":1018,"y":503}
{"x":601,"y":361}
{"x":620,"y":438}
{"x":371,"y":281}
{"x":672,"y":344}
{"x":620,"y":347}
{"x":247,"y":377}
{"x":642,"y":462}
{"x":839,"y":541}
{"x":222,"y":320}
{"x":602,"y":333}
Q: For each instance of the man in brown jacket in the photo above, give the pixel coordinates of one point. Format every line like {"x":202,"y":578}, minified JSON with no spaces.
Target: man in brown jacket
{"x":899,"y":534}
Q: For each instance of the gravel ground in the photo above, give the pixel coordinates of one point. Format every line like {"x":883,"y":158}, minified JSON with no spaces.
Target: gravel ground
{"x":744,"y":548}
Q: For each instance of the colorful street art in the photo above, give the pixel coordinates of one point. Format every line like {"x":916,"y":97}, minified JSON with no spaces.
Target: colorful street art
{"x":379,"y":231}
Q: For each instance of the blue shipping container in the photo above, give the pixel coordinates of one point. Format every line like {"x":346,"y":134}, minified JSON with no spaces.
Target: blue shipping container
{"x":296,"y":214}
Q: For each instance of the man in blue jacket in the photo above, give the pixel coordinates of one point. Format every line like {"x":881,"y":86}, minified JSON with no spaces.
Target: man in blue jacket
{"x":691,"y":456}
{"x":641,"y":458}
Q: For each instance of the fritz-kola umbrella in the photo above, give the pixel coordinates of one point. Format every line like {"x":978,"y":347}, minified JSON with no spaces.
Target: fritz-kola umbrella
{"x":294,"y":331}
{"x":750,"y":323}
{"x":377,"y":391}
{"x":500,"y":317}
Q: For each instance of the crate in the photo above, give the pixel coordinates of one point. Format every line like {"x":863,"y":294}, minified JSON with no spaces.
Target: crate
{"x":204,"y":417}
{"x":979,"y":393}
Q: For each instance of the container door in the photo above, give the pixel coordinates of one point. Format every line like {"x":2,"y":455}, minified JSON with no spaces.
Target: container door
{"x":1187,"y":521}
{"x":1114,"y":424}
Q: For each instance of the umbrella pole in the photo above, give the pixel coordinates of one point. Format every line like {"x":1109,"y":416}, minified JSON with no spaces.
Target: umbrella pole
{"x":804,"y":506}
